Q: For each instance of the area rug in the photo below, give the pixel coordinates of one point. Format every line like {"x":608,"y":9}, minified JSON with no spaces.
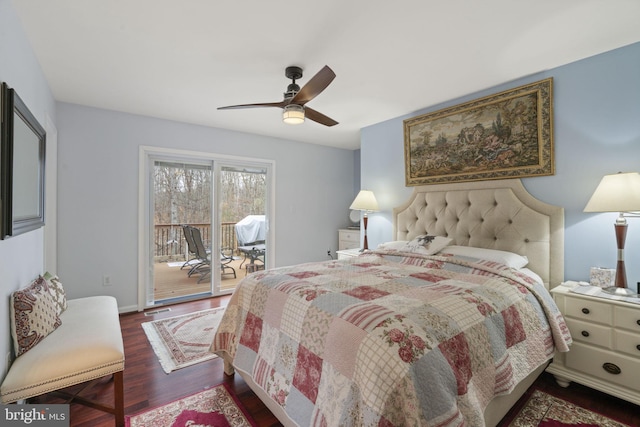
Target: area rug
{"x":544,"y":410}
{"x":184,"y":340}
{"x":215,"y":407}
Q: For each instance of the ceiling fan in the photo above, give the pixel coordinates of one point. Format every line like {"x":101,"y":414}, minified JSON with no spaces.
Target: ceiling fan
{"x":293,"y":104}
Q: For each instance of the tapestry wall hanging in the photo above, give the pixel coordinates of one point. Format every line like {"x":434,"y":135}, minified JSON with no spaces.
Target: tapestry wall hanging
{"x":506,"y":135}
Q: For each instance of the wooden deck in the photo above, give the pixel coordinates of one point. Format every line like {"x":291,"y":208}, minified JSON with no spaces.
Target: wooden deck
{"x":173,"y":282}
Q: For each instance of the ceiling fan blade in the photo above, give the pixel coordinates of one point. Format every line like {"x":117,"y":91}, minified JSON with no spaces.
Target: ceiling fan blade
{"x":312,"y":114}
{"x":280,"y":104}
{"x":317,"y":84}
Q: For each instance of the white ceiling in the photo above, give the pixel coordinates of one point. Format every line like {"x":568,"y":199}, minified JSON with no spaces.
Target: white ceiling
{"x":180,"y":60}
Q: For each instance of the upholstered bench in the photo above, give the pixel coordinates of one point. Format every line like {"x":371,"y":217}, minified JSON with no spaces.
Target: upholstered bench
{"x":87,"y":345}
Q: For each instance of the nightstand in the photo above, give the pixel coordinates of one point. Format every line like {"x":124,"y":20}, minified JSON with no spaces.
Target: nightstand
{"x":348,"y":238}
{"x":605,"y":354}
{"x":348,"y":253}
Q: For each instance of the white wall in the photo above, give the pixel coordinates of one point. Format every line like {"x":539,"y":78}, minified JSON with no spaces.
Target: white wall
{"x":596,"y":105}
{"x":98,"y":193}
{"x":21,"y":257}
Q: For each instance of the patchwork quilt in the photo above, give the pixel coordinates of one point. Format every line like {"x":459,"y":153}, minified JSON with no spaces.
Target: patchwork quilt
{"x":390,"y":339}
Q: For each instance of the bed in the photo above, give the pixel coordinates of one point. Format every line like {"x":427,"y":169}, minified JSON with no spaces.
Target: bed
{"x":449,"y":329}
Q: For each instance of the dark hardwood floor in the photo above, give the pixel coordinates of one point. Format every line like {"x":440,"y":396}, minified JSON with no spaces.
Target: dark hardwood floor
{"x":147,"y":386}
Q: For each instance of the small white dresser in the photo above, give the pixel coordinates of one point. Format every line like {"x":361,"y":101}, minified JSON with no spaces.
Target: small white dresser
{"x":348,"y":238}
{"x":605,"y":353}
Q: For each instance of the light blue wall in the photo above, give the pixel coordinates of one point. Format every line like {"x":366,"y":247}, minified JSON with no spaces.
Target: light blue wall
{"x":596,"y":132}
{"x":21,"y":257}
{"x":98,"y":193}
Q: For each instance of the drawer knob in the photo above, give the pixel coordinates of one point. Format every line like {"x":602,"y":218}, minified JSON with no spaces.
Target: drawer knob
{"x":585,"y":311}
{"x":612,"y":368}
{"x":638,"y":347}
{"x":638,"y":322}
{"x":585,"y":333}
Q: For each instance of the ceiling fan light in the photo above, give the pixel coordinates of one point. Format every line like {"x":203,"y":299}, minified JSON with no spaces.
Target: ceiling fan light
{"x":293,"y":114}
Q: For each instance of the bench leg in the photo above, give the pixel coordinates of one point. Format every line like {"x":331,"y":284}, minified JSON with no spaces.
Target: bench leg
{"x":118,"y":395}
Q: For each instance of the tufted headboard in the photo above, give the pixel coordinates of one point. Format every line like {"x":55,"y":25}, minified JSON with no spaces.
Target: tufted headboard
{"x":497,"y":214}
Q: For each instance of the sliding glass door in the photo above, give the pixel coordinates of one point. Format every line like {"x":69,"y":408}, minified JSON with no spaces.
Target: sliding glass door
{"x":207,"y":224}
{"x":242,"y":208}
{"x":182,"y":194}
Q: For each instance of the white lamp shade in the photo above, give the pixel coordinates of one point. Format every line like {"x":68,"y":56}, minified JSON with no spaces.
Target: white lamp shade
{"x":618,"y":192}
{"x":365,"y":201}
{"x":293,"y":114}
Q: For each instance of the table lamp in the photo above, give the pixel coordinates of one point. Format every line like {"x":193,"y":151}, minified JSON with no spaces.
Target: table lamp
{"x":366,"y":202}
{"x":618,"y":193}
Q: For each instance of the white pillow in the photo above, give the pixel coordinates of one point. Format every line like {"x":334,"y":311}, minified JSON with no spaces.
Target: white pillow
{"x":509,"y":259}
{"x":426,"y":244}
{"x":392,"y":246}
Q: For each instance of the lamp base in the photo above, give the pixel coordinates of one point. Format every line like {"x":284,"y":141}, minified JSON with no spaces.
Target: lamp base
{"x":623,"y":292}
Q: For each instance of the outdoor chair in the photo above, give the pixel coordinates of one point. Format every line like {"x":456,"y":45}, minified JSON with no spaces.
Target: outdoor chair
{"x":191,"y":248}
{"x":204,"y":268}
{"x":203,"y":256}
{"x":226,"y":257}
{"x":200,"y":260}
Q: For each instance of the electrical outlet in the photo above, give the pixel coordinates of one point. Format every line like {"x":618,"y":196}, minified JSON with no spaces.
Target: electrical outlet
{"x":106,"y":280}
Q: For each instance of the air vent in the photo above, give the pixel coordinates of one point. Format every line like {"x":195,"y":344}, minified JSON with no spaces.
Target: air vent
{"x":151,"y":313}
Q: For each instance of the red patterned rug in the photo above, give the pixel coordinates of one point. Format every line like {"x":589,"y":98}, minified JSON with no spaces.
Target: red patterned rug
{"x":544,"y":410}
{"x":215,"y":407}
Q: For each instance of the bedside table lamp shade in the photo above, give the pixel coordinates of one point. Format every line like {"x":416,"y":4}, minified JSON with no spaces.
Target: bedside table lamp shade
{"x":365,"y":201}
{"x":618,"y":193}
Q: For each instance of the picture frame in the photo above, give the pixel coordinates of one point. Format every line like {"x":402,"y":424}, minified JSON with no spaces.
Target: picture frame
{"x":505,"y":135}
{"x":22,"y":163}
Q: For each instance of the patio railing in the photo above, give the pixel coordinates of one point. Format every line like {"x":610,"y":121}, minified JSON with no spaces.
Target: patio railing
{"x":170,"y":244}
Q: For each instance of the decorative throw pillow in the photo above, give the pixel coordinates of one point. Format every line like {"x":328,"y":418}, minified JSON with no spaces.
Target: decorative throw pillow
{"x":57,"y":291}
{"x":34,"y":315}
{"x":426,"y":244}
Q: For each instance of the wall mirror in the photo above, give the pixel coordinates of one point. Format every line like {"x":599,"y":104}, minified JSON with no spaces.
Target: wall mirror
{"x":22,"y":156}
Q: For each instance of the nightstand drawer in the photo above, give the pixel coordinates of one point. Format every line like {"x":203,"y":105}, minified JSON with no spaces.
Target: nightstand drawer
{"x":590,"y":333}
{"x":347,"y":244}
{"x":348,"y":239}
{"x":629,"y":343}
{"x":627,"y":318}
{"x":589,"y":310}
{"x":350,"y":235}
{"x":604,"y":364}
